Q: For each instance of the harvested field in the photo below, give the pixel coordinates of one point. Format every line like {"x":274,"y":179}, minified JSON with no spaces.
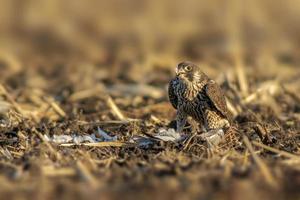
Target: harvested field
{"x":82,"y":69}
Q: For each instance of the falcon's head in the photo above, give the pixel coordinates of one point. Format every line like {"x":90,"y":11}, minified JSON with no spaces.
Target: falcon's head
{"x":189,"y":72}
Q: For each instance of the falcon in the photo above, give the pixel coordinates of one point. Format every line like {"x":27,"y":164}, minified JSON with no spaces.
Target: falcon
{"x":192,"y":93}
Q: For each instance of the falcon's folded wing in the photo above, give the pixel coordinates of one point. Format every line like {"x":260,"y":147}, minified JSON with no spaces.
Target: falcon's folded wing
{"x":172,"y":95}
{"x":217,"y":97}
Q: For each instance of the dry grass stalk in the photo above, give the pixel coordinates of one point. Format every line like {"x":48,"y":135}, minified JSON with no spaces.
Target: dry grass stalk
{"x":106,"y":162}
{"x":110,"y":144}
{"x":17,"y":154}
{"x":86,"y":174}
{"x":267,"y":89}
{"x":231,"y":108}
{"x":155,"y":119}
{"x":89,"y":159}
{"x":11,"y":100}
{"x":5,"y":152}
{"x":245,"y":159}
{"x":110,"y":122}
{"x":54,"y":172}
{"x":101,"y":144}
{"x":56,"y":107}
{"x":242,"y":78}
{"x":188,"y":141}
{"x":295,"y":95}
{"x":280,"y":152}
{"x":115,"y":109}
{"x":261,"y":165}
{"x":52,"y":150}
{"x":84,"y":94}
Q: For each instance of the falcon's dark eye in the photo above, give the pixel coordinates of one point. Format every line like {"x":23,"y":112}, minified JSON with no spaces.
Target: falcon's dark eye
{"x":188,"y":68}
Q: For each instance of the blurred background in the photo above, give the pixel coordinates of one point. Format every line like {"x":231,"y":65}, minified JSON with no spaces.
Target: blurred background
{"x":130,"y":38}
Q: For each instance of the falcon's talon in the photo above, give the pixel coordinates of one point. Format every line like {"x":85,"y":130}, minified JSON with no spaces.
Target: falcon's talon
{"x":194,"y":94}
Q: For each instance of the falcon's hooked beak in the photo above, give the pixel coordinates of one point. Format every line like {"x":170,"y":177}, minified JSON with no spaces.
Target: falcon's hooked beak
{"x":179,"y":71}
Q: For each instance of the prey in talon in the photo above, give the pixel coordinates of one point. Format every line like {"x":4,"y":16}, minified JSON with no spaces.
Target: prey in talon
{"x":192,"y":93}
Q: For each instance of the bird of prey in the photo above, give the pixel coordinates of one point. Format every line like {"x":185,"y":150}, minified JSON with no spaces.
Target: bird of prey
{"x":192,"y":93}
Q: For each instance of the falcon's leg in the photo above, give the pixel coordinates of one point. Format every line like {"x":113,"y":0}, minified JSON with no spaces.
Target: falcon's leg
{"x":196,"y":125}
{"x":181,"y":118}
